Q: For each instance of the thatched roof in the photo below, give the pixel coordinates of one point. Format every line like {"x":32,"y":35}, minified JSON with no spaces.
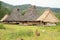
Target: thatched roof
{"x":4,"y":17}
{"x":31,"y":14}
{"x":48,"y":16}
{"x":14,"y":16}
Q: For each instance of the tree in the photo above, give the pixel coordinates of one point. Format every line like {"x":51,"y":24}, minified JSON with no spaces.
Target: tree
{"x":3,"y":10}
{"x":0,"y":4}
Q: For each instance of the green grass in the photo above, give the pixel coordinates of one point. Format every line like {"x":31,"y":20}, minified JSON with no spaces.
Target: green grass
{"x":16,"y":32}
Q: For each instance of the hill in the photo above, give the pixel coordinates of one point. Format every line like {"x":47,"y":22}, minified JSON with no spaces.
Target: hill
{"x":24,"y":7}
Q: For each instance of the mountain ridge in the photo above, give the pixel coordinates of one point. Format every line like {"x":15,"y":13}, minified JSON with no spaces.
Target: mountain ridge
{"x":26,"y":6}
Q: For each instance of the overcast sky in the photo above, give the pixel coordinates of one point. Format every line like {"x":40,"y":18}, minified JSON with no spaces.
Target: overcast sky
{"x":44,"y":3}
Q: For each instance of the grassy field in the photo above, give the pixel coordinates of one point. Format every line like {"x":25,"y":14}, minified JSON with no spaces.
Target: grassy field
{"x":18,"y":32}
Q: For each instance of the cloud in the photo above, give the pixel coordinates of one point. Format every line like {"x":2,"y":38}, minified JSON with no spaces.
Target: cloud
{"x":45,"y":3}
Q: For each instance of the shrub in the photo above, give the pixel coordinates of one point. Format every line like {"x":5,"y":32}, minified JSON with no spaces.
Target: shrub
{"x":1,"y":26}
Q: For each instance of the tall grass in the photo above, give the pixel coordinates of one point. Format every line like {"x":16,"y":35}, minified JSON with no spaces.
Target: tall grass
{"x":25,"y":33}
{"x":16,"y":32}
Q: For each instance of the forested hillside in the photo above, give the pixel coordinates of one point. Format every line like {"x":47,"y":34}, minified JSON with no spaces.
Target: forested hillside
{"x":7,"y":9}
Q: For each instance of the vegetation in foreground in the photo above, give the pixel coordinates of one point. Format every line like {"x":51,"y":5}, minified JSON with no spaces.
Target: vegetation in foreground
{"x":18,"y":32}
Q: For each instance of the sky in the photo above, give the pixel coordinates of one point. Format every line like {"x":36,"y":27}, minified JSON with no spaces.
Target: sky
{"x":43,"y":3}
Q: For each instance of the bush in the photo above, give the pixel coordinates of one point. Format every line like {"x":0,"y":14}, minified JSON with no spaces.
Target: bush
{"x":1,"y":26}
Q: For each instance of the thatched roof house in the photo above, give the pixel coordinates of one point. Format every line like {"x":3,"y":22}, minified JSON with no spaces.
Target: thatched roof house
{"x":30,"y":16}
{"x":48,"y":18}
